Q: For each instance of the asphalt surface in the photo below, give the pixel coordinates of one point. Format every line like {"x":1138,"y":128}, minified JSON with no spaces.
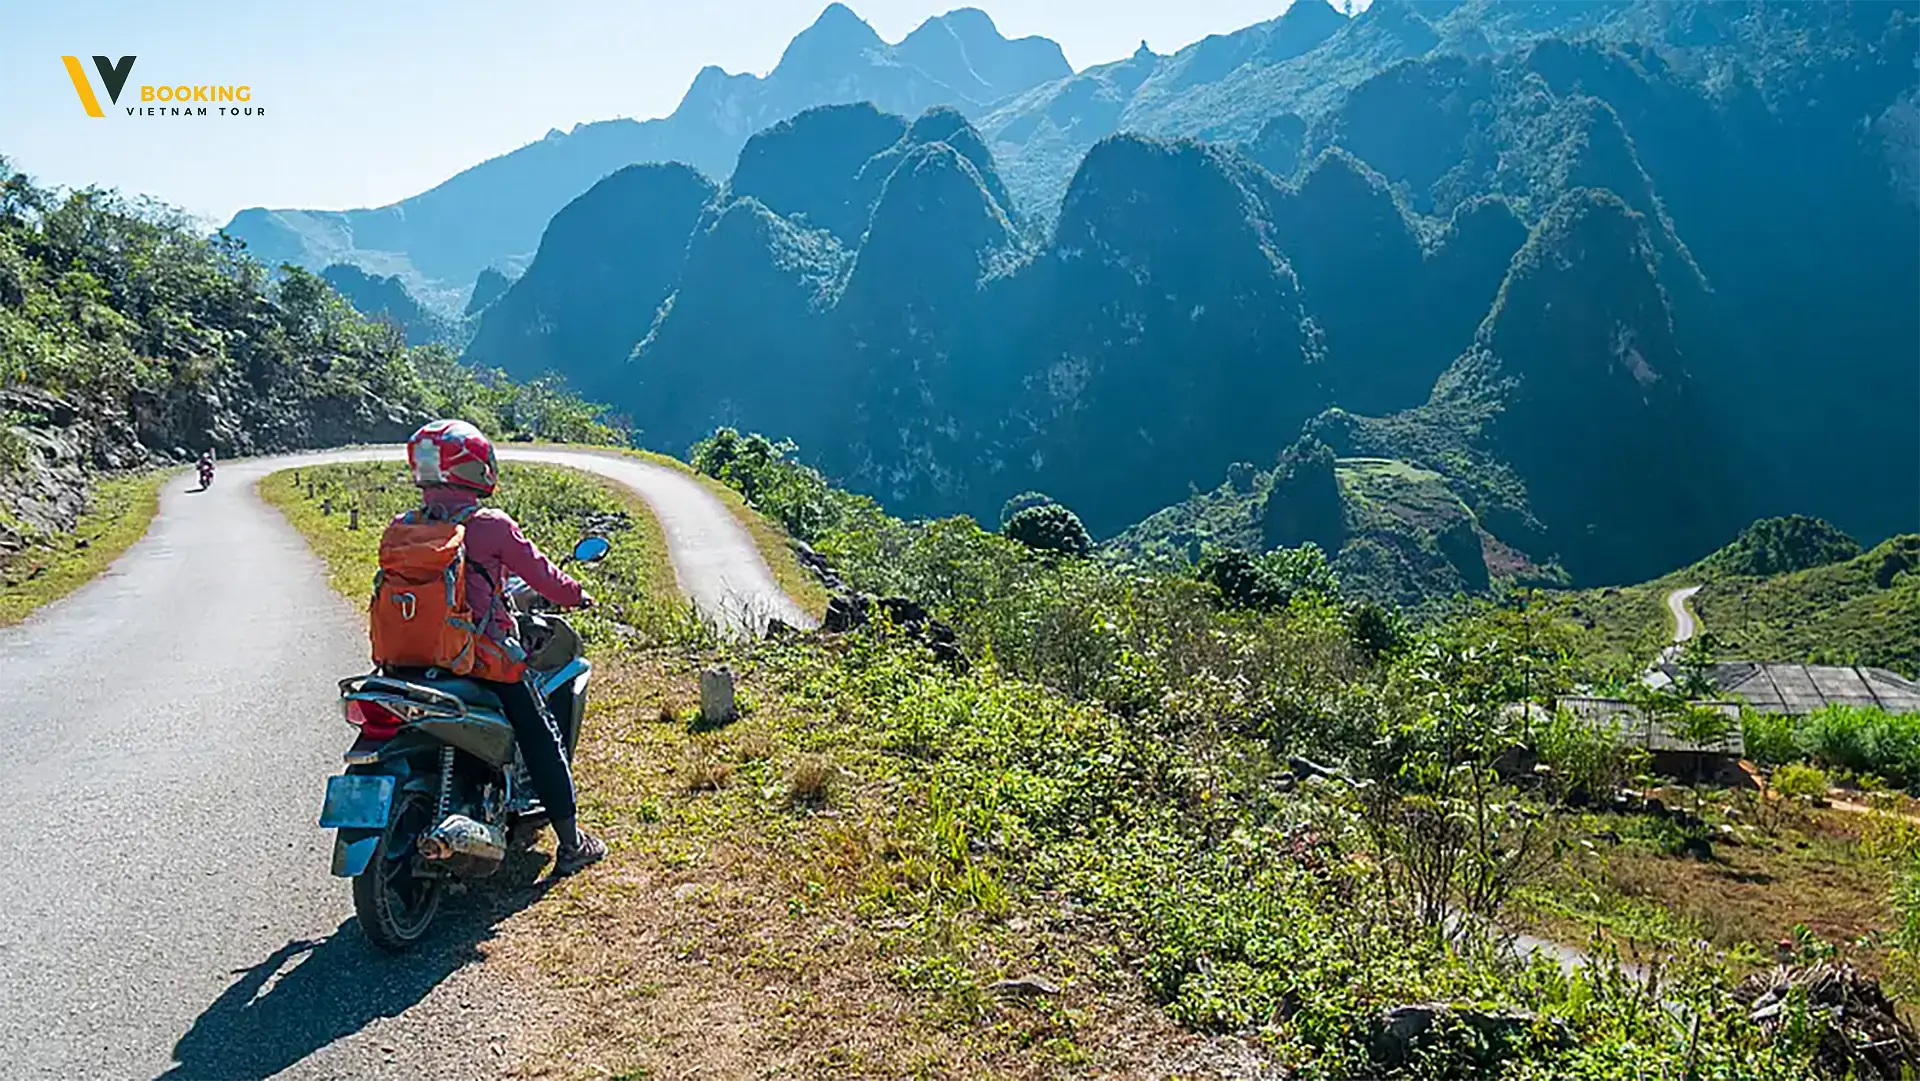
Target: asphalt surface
{"x":169,"y":727}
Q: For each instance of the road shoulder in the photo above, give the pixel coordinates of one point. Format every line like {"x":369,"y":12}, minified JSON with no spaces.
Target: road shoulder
{"x":120,"y":508}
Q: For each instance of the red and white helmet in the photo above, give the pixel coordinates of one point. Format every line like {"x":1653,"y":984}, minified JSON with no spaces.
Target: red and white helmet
{"x":452,"y":452}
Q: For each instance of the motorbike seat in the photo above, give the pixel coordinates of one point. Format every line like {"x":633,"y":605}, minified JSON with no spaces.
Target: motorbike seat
{"x":466,"y":690}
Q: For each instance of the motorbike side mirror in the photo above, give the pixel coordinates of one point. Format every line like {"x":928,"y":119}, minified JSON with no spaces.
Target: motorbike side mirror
{"x":591,"y":549}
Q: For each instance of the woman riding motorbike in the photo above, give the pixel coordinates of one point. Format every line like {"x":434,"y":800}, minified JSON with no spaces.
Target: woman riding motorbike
{"x":454,"y":466}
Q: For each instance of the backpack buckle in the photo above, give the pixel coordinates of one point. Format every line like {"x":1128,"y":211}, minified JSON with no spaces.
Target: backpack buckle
{"x":406,"y":601}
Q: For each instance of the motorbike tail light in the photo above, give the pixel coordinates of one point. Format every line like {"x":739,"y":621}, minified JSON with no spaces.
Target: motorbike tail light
{"x":374,"y":720}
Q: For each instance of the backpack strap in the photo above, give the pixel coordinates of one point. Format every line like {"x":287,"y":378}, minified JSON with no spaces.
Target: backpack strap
{"x":484,"y":621}
{"x":438,"y":514}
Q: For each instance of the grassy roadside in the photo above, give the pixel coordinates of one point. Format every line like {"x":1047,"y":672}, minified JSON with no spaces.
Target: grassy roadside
{"x":772,"y":541}
{"x":750,"y":919}
{"x":774,"y":906}
{"x":1625,"y":627}
{"x":119,"y":511}
{"x":554,"y":506}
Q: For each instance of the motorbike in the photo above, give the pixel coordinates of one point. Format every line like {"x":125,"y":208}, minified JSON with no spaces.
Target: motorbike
{"x":206,"y":475}
{"x":434,"y":790}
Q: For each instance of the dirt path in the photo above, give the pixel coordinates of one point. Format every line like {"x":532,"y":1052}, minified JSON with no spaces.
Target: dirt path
{"x":1861,"y":809}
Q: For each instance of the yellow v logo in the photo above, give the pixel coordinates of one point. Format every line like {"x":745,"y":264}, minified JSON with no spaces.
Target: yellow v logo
{"x":112,"y":76}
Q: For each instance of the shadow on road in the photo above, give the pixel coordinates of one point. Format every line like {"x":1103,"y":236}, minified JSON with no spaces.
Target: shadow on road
{"x":338,"y":985}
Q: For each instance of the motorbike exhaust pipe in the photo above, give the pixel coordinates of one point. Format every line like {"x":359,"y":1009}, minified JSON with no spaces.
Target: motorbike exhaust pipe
{"x":460,"y":836}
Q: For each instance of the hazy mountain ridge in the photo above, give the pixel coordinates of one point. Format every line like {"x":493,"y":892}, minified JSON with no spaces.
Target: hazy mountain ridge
{"x":387,"y":299}
{"x":1527,"y":291}
{"x":1039,"y":117}
{"x":493,"y":213}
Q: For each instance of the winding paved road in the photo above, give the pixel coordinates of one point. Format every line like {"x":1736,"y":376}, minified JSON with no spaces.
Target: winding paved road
{"x":1684,"y":625}
{"x":168,"y":907}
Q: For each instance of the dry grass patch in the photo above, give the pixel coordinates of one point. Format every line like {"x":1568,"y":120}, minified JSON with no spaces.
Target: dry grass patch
{"x":757,"y":745}
{"x":811,"y":781}
{"x":702,"y":769}
{"x":1814,"y":869}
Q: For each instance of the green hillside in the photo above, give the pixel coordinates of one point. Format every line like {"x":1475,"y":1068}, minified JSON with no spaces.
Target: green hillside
{"x":1859,"y":610}
{"x":1864,"y":610}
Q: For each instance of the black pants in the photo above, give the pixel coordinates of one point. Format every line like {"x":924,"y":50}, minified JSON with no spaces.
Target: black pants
{"x":540,"y":747}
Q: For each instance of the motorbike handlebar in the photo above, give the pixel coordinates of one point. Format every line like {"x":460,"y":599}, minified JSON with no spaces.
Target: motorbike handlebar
{"x":523,"y":596}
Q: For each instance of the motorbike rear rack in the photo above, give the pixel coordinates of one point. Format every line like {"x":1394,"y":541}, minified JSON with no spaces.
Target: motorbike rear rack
{"x":418,"y":696}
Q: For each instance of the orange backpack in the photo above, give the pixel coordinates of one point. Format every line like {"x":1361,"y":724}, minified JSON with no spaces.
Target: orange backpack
{"x":419,"y":615}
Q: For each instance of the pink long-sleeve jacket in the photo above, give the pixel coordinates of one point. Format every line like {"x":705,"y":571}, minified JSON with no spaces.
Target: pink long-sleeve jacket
{"x":497,"y":548}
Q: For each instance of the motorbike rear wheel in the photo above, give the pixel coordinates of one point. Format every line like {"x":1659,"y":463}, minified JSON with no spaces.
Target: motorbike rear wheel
{"x":395,"y":905}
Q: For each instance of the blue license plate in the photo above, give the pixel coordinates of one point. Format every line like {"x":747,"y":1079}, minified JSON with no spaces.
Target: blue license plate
{"x":357,"y":801}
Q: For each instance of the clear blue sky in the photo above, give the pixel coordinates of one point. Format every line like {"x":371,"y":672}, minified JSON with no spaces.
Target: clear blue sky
{"x":369,"y":101}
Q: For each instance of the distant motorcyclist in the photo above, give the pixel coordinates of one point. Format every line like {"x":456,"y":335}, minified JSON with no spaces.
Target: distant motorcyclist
{"x":454,"y":465}
{"x":206,"y":468}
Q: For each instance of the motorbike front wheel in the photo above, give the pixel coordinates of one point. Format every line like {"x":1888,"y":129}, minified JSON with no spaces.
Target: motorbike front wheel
{"x":396,"y":905}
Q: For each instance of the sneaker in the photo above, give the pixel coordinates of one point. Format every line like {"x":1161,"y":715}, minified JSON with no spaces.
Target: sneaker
{"x":589,"y":851}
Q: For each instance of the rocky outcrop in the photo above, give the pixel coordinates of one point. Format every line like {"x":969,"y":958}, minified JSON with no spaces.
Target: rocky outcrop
{"x":857,"y":611}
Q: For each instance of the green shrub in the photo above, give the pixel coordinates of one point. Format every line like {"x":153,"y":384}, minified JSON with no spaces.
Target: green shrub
{"x":1796,"y":780}
{"x":1022,"y":502}
{"x":1268,"y":582}
{"x":1377,"y":631}
{"x":1900,"y":556}
{"x":1834,"y":737}
{"x":1050,"y":527}
{"x":1768,"y":736}
{"x":1862,"y":739}
{"x":1241,"y":580}
{"x":778,"y":485}
{"x":1782,"y":545}
{"x":1586,"y":760}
